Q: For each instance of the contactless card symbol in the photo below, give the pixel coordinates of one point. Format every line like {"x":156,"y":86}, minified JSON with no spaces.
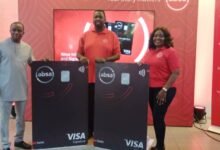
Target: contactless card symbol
{"x":44,"y":74}
{"x":65,"y":76}
{"x":125,"y":79}
{"x":142,"y":72}
{"x":82,"y":69}
{"x":106,"y":75}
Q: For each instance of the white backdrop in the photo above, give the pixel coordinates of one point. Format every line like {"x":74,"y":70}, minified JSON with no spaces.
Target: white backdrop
{"x":8,"y":14}
{"x":204,"y":55}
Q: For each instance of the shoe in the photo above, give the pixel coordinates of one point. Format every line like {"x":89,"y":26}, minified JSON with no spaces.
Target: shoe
{"x":13,"y":113}
{"x":156,"y":148}
{"x":6,"y":148}
{"x":150,"y":142}
{"x":90,"y":135}
{"x":23,"y":145}
{"x":12,"y":117}
{"x":153,"y":148}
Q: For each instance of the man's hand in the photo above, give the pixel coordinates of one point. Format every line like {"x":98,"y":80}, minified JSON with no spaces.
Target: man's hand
{"x":84,"y":60}
{"x":45,"y":59}
{"x":139,"y":63}
{"x":100,"y":60}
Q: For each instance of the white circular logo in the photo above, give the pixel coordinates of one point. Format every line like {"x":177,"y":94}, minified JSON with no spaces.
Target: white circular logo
{"x":106,"y":75}
{"x":119,"y":25}
{"x":177,"y":5}
{"x":44,"y":74}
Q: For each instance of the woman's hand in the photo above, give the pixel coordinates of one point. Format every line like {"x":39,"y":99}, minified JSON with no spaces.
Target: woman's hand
{"x":161,"y":97}
{"x":45,"y":59}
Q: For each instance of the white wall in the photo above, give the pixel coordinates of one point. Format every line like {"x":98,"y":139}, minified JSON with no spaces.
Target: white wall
{"x":8,"y":14}
{"x":204,"y":54}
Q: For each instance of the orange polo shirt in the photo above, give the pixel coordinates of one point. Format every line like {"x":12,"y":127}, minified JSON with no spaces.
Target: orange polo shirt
{"x":98,"y":45}
{"x":162,"y":62}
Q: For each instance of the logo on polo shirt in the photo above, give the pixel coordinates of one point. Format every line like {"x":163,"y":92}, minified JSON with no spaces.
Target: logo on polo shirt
{"x":44,"y":74}
{"x":106,"y":75}
{"x":159,"y":55}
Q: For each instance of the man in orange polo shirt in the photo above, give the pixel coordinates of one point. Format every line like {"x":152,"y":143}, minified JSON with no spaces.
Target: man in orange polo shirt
{"x":97,"y":46}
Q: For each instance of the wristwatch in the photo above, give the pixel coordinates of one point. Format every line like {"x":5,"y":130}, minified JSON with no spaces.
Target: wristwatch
{"x":164,"y":89}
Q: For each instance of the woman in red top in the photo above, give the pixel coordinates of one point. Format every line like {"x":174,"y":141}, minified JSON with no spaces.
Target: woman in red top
{"x":164,"y":70}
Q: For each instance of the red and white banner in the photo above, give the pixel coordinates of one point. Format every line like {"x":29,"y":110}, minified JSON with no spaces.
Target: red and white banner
{"x":216,"y":69}
{"x":180,"y":17}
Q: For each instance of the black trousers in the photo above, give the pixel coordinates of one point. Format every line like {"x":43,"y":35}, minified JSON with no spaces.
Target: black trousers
{"x":91,"y":109}
{"x":159,"y":112}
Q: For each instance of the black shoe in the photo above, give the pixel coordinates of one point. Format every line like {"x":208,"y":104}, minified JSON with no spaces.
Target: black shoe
{"x":13,"y":113}
{"x":156,"y":148}
{"x":23,"y":145}
{"x":6,"y":148}
{"x":153,"y":148}
{"x":90,"y":135}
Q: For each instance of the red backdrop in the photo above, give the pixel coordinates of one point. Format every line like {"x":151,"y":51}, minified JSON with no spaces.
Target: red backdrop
{"x":180,"y":17}
{"x":216,"y":69}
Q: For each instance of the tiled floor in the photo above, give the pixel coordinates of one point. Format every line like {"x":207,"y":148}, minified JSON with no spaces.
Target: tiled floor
{"x":177,"y":138}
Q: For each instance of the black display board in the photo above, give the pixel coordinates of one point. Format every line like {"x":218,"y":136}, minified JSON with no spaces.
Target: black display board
{"x":60,"y":104}
{"x":121,"y":97}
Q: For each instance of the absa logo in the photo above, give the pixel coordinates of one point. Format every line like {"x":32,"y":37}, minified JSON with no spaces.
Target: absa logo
{"x":106,"y":75}
{"x":44,"y":74}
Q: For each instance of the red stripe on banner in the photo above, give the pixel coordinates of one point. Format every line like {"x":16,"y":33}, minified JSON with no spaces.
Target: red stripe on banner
{"x":216,"y":69}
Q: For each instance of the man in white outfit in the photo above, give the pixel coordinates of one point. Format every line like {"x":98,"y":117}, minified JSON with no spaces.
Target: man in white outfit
{"x":14,"y":57}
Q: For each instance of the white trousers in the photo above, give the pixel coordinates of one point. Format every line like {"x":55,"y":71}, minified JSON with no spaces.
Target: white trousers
{"x":5,"y":111}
